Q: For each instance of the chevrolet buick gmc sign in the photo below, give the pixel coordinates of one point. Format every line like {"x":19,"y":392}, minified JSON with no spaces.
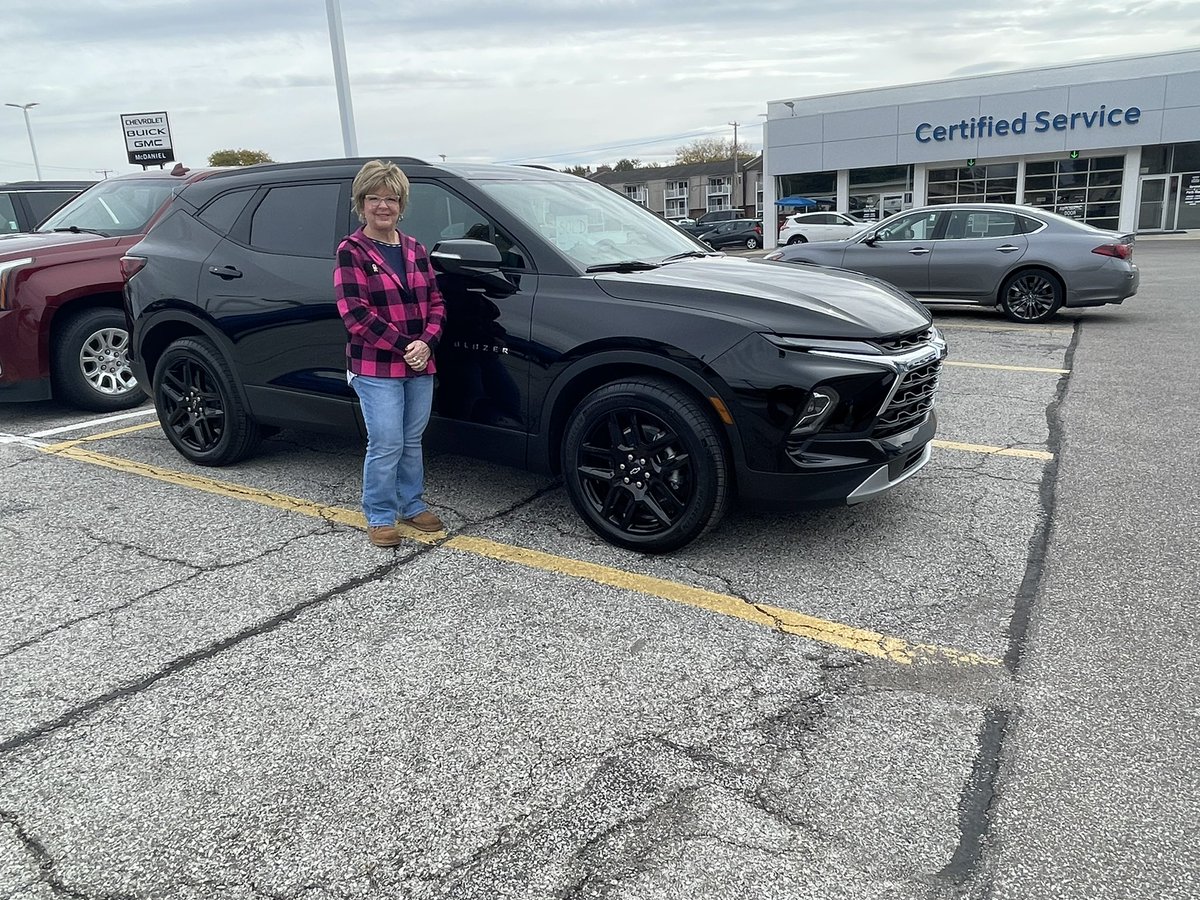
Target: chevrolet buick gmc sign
{"x":147,"y":138}
{"x":1042,"y":121}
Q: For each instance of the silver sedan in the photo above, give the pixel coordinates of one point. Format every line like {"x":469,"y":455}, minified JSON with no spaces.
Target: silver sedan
{"x":1027,"y":261}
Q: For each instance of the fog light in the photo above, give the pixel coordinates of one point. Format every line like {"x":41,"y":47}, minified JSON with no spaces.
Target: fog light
{"x":821,"y":402}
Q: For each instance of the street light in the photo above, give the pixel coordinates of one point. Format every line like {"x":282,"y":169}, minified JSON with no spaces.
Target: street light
{"x":24,"y":107}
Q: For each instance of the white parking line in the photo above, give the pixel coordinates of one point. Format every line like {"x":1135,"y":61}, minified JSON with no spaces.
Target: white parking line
{"x":90,"y":423}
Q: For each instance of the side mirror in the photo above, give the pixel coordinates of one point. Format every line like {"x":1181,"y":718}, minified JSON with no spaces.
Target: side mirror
{"x":476,"y":260}
{"x":871,"y":239}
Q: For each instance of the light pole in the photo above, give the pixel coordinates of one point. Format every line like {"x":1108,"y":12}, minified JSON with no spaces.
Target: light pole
{"x":341,"y":77}
{"x":24,"y":107}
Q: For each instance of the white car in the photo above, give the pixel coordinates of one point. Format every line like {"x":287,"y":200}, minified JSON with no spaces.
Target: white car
{"x":818,"y":226}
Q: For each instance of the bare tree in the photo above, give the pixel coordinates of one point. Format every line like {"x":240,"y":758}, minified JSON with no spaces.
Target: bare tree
{"x":710,"y":149}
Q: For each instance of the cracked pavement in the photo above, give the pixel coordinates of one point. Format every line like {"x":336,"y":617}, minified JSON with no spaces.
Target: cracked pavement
{"x":208,"y":697}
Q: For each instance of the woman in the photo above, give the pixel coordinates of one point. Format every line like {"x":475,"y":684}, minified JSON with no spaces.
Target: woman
{"x":388,"y":297}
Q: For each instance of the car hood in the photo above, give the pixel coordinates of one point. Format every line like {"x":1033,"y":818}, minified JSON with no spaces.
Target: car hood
{"x":16,"y":245}
{"x":776,"y":297}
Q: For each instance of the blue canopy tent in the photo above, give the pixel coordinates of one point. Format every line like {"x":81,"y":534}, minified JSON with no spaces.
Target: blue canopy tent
{"x":800,"y":202}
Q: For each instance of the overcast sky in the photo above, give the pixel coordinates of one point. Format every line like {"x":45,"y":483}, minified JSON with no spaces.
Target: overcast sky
{"x":553,"y":81}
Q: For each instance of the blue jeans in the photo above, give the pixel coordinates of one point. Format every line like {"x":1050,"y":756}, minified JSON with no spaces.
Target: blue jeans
{"x":396,"y":411}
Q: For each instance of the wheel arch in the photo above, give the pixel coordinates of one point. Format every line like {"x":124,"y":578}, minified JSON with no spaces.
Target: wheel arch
{"x":62,"y":313}
{"x":1028,"y":266}
{"x":166,"y":326}
{"x":595,"y":370}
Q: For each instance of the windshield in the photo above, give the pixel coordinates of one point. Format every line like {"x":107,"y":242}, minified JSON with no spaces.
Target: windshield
{"x":113,"y":207}
{"x":590,"y":224}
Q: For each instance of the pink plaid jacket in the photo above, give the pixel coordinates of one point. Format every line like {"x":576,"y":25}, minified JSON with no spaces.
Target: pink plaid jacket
{"x":383,"y":319}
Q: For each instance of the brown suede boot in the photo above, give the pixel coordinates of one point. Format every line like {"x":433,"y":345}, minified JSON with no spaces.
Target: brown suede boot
{"x":384,"y":535}
{"x":425,"y":520}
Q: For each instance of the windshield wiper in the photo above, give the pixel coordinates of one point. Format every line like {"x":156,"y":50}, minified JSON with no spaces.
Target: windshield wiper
{"x":625,"y":265}
{"x":686,"y":254}
{"x":75,"y":229}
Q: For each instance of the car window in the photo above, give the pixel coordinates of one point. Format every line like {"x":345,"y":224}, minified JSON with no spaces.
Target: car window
{"x":588,"y":223}
{"x":916,"y":227}
{"x":435,"y":213}
{"x":1028,"y":225}
{"x":968,"y":223}
{"x":221,"y":213}
{"x":8,"y":214}
{"x":839,"y":219}
{"x":298,"y":219}
{"x":115,"y":207}
{"x":42,"y":203}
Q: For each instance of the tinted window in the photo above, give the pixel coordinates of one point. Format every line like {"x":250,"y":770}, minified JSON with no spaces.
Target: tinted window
{"x":222,"y":212}
{"x":8,"y":215}
{"x":435,"y":214}
{"x":42,"y":203}
{"x":299,"y":220}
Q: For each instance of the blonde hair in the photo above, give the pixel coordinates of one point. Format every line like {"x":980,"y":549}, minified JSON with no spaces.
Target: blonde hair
{"x":375,"y":177}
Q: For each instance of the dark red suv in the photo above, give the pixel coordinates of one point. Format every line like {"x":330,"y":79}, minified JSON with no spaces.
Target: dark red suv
{"x":62,"y":326}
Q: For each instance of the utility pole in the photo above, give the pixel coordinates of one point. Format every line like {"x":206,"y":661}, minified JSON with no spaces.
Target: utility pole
{"x":733,"y":187}
{"x":104,"y":172}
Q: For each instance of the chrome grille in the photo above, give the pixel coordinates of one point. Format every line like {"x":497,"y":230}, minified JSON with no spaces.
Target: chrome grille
{"x":907,"y":341}
{"x":911,"y":402}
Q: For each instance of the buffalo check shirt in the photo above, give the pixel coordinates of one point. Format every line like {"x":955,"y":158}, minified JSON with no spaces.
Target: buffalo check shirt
{"x":385,"y":311}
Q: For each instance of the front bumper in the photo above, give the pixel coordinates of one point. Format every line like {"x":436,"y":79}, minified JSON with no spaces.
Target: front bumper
{"x":886,"y":463}
{"x":26,"y":391}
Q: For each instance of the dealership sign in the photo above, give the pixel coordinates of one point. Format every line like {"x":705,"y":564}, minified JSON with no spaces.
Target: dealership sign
{"x":1042,"y":121}
{"x":147,"y":138}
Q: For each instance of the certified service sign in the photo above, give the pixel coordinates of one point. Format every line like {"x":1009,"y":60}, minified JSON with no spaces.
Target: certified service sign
{"x":147,"y":138}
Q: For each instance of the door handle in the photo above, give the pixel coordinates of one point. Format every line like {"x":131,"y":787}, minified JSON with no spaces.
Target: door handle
{"x":226,"y":272}
{"x":918,"y":251}
{"x":1007,"y":248}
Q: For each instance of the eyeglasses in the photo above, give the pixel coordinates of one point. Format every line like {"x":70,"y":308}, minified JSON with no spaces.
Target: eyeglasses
{"x":372,"y":200}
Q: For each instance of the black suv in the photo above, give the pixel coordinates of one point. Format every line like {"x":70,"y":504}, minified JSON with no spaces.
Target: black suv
{"x":23,"y":204}
{"x":584,"y":336}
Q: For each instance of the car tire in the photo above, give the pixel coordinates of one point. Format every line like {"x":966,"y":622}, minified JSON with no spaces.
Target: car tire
{"x":199,"y":405}
{"x":89,"y":362}
{"x":645,"y":466}
{"x":751,"y":243}
{"x":797,"y":239}
{"x":1031,"y":295}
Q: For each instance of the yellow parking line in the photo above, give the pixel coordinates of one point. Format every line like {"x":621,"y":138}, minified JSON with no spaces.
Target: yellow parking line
{"x":870,"y":643}
{"x":118,"y":432}
{"x":998,"y":451}
{"x":974,"y":365}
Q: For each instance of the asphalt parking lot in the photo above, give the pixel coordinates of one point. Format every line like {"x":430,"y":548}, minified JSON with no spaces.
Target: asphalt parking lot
{"x":981,"y":685}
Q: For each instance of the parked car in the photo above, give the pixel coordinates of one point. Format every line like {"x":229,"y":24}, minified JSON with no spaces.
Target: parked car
{"x":62,"y":327}
{"x":818,"y":226}
{"x":584,"y":336}
{"x":23,"y":204}
{"x":745,"y":233}
{"x":1027,"y":261}
{"x":682,"y":220}
{"x":711,"y":219}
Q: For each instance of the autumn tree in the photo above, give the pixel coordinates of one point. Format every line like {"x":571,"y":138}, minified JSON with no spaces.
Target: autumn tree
{"x":709,"y":149}
{"x":581,"y":171}
{"x":238,"y":157}
{"x":627,"y":165}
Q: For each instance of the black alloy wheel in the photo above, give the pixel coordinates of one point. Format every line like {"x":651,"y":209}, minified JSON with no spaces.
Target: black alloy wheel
{"x":644,"y":466}
{"x":1033,"y":295}
{"x":199,"y":406}
{"x":90,"y":362}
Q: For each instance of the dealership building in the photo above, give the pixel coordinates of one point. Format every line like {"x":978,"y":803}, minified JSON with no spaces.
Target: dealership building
{"x":1115,"y":143}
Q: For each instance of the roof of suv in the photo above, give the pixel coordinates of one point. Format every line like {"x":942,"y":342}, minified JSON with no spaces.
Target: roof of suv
{"x":10,"y":186}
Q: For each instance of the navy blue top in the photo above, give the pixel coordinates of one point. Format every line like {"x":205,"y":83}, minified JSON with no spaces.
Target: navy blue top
{"x":393,"y":255}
